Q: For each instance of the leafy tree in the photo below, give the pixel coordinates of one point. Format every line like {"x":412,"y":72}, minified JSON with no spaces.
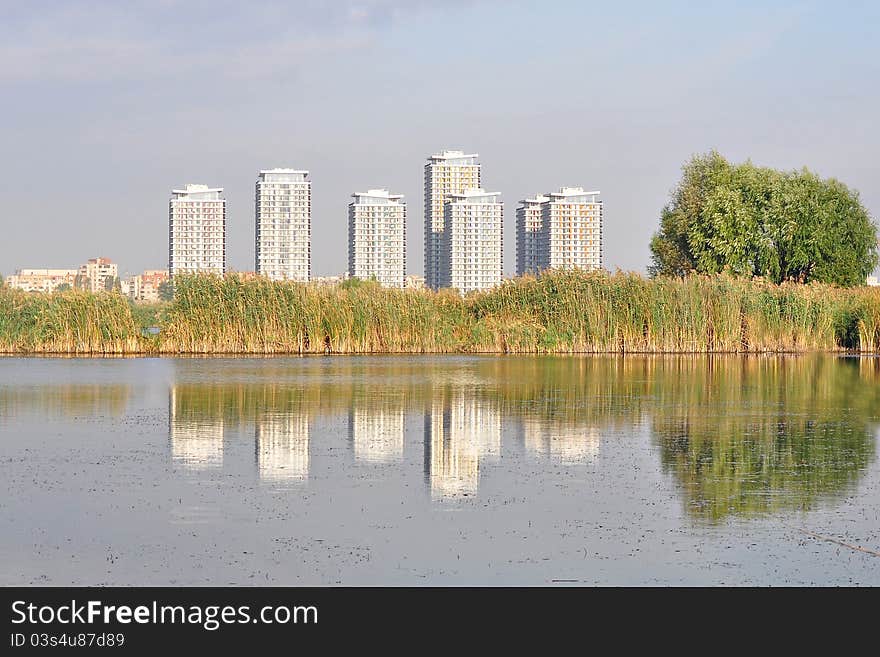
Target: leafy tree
{"x":64,"y":287}
{"x":756,"y":221}
{"x":166,"y":291}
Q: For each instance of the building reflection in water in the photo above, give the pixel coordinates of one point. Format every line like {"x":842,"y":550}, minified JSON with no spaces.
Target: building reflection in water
{"x":461,"y":429}
{"x":282,"y":446}
{"x":196,"y":437}
{"x":569,"y":443}
{"x":376,"y":431}
{"x":201,"y":417}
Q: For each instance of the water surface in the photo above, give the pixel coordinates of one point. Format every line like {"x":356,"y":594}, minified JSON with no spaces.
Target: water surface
{"x":439,"y":470}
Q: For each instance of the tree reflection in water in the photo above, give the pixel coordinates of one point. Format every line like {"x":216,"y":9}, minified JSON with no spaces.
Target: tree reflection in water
{"x":741,"y":436}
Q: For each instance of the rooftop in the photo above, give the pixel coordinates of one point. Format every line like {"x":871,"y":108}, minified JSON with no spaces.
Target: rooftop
{"x":539,"y":198}
{"x":191,"y":188}
{"x":454,"y":155}
{"x":565,"y":192}
{"x":383,"y":194}
{"x":474,"y":193}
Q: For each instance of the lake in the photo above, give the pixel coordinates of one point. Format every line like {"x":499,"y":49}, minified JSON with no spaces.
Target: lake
{"x":440,"y":470}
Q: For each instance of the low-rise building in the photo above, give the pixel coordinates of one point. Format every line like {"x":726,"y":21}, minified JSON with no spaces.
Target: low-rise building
{"x":42,"y":280}
{"x":144,"y":287}
{"x":329,"y":281}
{"x":873,"y":281}
{"x":414,"y":282}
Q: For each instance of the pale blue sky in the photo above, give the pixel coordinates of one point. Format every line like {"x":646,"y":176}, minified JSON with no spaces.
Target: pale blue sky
{"x":107,"y":105}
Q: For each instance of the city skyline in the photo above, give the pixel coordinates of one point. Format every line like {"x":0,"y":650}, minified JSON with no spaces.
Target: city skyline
{"x":128,"y":110}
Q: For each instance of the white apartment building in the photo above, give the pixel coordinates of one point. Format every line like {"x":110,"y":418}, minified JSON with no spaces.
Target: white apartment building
{"x":528,"y":224}
{"x":41,"y":280}
{"x":570,"y":235}
{"x":377,"y":237}
{"x":448,"y":172}
{"x":471,"y":242}
{"x":197,"y":230}
{"x":284,"y":224}
{"x":97,"y":275}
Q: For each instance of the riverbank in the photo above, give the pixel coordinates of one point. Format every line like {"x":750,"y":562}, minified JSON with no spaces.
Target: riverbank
{"x":561,"y":312}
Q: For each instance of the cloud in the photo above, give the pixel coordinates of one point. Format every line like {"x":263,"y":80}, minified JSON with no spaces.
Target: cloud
{"x":100,"y":41}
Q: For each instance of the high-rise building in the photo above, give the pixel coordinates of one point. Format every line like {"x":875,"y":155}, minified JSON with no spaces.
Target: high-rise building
{"x":570,"y":235}
{"x":377,"y":237}
{"x":197,"y":230}
{"x":528,"y":224}
{"x":449,"y":172}
{"x":471,"y":242}
{"x":284,"y":224}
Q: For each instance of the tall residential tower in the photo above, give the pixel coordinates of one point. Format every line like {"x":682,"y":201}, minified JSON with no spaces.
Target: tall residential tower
{"x":283,"y":217}
{"x":528,"y":224}
{"x":197,"y":230}
{"x":377,"y":237}
{"x":570,"y":236}
{"x":449,"y":172}
{"x":471,"y":242}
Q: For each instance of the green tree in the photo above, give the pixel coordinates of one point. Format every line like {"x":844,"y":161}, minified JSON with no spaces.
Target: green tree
{"x":166,"y":291}
{"x":113,"y":284}
{"x":756,"y":221}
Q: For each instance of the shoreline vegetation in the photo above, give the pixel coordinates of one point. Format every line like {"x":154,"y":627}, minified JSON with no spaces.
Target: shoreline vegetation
{"x":556,"y":313}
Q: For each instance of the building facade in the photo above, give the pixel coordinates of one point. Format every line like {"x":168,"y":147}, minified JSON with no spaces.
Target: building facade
{"x":97,"y":275}
{"x":41,"y":280}
{"x":414,"y":282}
{"x":570,"y":234}
{"x":197,"y":230}
{"x":448,"y":172}
{"x":145,"y":287}
{"x":471,"y":243}
{"x":283,"y":232}
{"x":528,"y":224}
{"x":377,"y":237}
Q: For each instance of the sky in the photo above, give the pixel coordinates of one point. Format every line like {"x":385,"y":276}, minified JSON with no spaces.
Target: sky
{"x":106,"y":106}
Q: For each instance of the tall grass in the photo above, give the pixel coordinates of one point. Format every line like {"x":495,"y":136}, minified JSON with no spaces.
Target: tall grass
{"x":71,"y":322}
{"x":559,"y":312}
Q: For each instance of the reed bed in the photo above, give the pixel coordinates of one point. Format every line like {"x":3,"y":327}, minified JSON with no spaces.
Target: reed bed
{"x":559,"y":312}
{"x":71,"y":322}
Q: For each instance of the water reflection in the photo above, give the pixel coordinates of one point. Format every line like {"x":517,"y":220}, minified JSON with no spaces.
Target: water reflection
{"x":376,"y":427}
{"x":739,"y":436}
{"x":282,"y":444}
{"x":753,"y":436}
{"x":735,"y":437}
{"x":195,"y":427}
{"x":563,"y":442}
{"x":64,"y":400}
{"x":461,"y":429}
